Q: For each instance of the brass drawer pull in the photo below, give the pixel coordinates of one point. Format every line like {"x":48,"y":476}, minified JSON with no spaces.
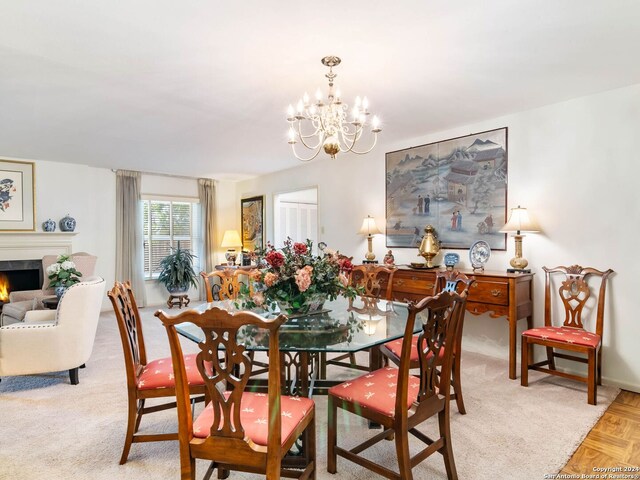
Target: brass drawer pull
{"x":496,"y":293}
{"x":475,"y":285}
{"x":399,"y":282}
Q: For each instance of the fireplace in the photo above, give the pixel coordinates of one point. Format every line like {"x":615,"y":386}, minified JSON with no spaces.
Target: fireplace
{"x":16,"y":275}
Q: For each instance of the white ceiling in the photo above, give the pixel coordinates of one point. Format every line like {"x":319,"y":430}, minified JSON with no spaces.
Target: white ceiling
{"x":201,"y":87}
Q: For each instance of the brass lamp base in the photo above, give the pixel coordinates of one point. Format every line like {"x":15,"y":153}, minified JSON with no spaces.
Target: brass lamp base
{"x":518,"y":263}
{"x":370,"y":256}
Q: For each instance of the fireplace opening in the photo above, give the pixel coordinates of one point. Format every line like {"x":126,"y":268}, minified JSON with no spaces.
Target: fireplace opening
{"x":18,"y":275}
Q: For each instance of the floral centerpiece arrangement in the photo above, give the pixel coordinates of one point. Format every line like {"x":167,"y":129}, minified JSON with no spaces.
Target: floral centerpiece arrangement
{"x":298,"y":281}
{"x":62,"y":274}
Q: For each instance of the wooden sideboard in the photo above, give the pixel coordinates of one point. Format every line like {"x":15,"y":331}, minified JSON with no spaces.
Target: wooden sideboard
{"x":500,"y":294}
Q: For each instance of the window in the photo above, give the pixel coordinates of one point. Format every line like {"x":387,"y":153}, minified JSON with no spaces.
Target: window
{"x":167,"y":223}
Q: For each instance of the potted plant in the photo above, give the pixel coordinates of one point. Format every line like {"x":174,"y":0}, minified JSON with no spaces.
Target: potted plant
{"x":176,"y":271}
{"x":62,"y":274}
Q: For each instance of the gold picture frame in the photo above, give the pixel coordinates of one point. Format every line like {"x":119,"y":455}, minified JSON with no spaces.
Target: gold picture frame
{"x":252,"y":216}
{"x":17,"y":196}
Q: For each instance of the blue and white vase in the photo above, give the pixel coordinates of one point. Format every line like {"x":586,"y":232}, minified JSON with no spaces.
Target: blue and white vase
{"x":49,"y":226}
{"x":67,"y":224}
{"x":60,"y":291}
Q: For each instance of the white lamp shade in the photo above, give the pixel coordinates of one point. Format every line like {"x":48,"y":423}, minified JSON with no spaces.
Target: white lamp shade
{"x":231,"y":239}
{"x":520,"y":221}
{"x":369,"y":227}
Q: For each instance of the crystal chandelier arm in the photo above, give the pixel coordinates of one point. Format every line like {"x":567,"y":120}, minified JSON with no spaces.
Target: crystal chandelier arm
{"x":350,"y":137}
{"x":303,"y":137}
{"x":375,"y":140}
{"x":318,"y":148}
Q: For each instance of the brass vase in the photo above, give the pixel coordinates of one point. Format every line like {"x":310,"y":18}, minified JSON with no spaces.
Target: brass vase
{"x":430,"y":245}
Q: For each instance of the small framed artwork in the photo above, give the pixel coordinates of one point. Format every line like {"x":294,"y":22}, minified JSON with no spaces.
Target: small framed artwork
{"x":252,"y":212}
{"x":17,"y":196}
{"x":458,"y":185}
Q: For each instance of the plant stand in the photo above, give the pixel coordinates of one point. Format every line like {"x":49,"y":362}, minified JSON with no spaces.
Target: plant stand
{"x":179,"y":299}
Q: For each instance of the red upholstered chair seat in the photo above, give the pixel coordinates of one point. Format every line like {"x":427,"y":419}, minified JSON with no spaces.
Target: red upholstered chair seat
{"x":254,"y":416}
{"x":575,"y":336}
{"x":159,"y":373}
{"x":376,"y":390}
{"x":395,"y":347}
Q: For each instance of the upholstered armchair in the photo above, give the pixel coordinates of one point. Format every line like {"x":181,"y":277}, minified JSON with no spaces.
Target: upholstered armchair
{"x":54,"y":340}
{"x":21,"y":302}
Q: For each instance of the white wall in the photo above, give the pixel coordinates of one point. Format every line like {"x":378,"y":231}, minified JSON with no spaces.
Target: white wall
{"x":88,"y":195}
{"x":573,"y":164}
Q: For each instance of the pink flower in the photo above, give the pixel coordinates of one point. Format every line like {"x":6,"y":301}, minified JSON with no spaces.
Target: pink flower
{"x":258,"y":298}
{"x":344,"y":280}
{"x":303,"y":278}
{"x":300,"y":248}
{"x":270,"y":279}
{"x":275,"y":259}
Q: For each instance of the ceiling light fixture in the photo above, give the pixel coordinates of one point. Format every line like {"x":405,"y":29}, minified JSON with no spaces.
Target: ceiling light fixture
{"x":329,"y":122}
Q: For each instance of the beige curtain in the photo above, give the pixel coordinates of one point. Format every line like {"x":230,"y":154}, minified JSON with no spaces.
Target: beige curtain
{"x":207,"y":195}
{"x":129,"y":239}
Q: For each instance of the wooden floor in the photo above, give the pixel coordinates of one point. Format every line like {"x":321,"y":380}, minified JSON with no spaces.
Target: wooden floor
{"x":613,"y":442}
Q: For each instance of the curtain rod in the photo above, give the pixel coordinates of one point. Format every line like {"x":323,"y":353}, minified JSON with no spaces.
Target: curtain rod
{"x":114,"y":170}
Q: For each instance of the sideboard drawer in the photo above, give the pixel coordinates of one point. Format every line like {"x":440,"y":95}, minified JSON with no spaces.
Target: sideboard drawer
{"x":413,"y":284}
{"x":486,"y":291}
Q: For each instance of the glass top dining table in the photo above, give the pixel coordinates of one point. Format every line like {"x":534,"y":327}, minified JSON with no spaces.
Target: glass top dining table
{"x":341,"y":326}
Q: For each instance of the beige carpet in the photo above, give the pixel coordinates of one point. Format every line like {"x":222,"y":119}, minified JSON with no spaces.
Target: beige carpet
{"x":53,"y":430}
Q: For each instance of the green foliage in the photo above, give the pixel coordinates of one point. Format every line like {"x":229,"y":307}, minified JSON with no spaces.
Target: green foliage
{"x":176,"y":270}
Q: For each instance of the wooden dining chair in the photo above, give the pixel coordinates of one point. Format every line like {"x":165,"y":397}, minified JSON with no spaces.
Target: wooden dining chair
{"x":374,"y":281}
{"x":399,"y":401}
{"x":238,"y":429}
{"x":145,"y":379}
{"x":225,"y":284}
{"x":574,"y":294}
{"x":446,"y":281}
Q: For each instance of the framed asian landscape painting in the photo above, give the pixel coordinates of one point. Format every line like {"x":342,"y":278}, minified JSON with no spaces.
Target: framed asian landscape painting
{"x":17,"y":196}
{"x":457,"y":185}
{"x":252,"y":213}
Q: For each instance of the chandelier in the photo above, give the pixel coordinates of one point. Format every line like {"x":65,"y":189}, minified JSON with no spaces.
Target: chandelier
{"x":326,"y":126}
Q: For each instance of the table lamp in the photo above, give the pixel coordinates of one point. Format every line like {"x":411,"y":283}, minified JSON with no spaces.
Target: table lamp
{"x":369,"y":228}
{"x":519,"y":221}
{"x":230,"y":240}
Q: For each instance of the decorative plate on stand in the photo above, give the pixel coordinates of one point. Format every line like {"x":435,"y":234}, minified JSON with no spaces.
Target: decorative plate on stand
{"x":479,"y":254}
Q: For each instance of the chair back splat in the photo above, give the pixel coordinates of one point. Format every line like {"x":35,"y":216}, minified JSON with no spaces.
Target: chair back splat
{"x":222,"y":433}
{"x":225,"y":284}
{"x":375,"y":281}
{"x":130,"y":327}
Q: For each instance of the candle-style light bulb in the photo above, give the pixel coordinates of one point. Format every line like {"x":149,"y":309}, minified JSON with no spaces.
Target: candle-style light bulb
{"x":358,"y":102}
{"x":290,"y":111}
{"x":292,"y":135}
{"x":338,"y":94}
{"x":300,"y":106}
{"x":375,"y":124}
{"x":355,"y":112}
{"x":305,"y":98}
{"x":318,"y":95}
{"x":365,"y":103}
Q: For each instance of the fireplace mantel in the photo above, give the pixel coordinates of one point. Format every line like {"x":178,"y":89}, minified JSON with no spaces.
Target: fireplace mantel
{"x":32,"y":245}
